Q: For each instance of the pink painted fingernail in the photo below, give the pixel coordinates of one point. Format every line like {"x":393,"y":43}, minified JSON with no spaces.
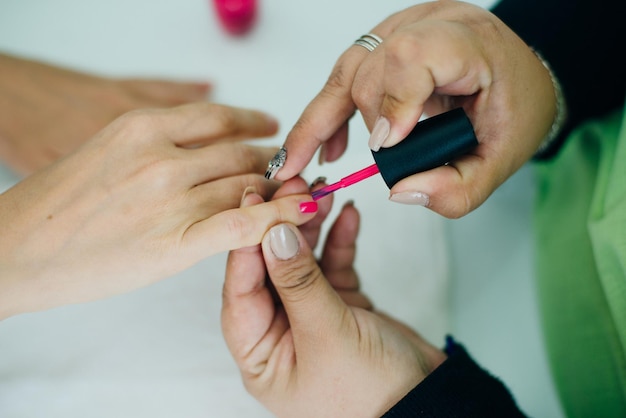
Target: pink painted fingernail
{"x":308,"y":207}
{"x":236,"y":16}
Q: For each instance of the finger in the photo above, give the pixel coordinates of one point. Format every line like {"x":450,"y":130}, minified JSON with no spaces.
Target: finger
{"x":208,"y":199}
{"x":222,"y":160}
{"x":448,"y":63}
{"x":248,"y":309}
{"x":452,"y":190}
{"x":337,"y":261}
{"x":311,"y":229}
{"x":167,"y":93}
{"x":338,"y":256}
{"x":336,"y":145}
{"x":316,"y":312}
{"x":324,"y":116}
{"x":236,"y":228}
{"x":201,"y":123}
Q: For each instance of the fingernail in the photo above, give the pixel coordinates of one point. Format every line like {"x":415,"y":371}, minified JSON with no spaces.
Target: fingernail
{"x":246,"y":192}
{"x":320,"y":179}
{"x":308,"y":207}
{"x":276,"y":163}
{"x":283,"y":242}
{"x":411,"y":198}
{"x":379,"y":133}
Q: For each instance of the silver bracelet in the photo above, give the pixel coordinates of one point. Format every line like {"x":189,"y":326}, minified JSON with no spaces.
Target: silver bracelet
{"x":561,"y":109}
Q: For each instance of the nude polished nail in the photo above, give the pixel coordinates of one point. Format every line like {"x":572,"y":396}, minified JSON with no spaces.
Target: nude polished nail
{"x":411,"y":198}
{"x":283,"y":242}
{"x":379,"y":133}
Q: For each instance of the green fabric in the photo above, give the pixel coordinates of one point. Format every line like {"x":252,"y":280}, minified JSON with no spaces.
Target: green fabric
{"x":580,"y":230}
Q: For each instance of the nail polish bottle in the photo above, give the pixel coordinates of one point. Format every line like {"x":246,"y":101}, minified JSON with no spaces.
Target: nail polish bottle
{"x":432,"y":143}
{"x":237,"y":17}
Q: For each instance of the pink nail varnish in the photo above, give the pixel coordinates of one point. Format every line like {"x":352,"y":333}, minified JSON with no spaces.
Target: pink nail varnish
{"x":236,"y":16}
{"x":308,"y":207}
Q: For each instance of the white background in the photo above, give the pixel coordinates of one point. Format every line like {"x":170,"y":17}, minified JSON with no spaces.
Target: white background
{"x":158,"y":352}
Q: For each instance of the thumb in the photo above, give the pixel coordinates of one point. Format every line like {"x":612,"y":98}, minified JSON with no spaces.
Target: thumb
{"x":316,"y":313}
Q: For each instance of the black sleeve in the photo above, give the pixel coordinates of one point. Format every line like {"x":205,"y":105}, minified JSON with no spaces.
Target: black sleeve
{"x":584,"y":43}
{"x":457,"y":388}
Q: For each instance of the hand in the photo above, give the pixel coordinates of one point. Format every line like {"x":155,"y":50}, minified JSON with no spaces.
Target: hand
{"x":321,"y":351}
{"x":148,"y":196}
{"x":434,"y":57}
{"x":49,"y":111}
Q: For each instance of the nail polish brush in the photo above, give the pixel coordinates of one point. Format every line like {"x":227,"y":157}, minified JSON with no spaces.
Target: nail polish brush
{"x":432,"y":143}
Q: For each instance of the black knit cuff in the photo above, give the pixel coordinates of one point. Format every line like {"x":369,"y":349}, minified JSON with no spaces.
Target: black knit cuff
{"x":457,"y":388}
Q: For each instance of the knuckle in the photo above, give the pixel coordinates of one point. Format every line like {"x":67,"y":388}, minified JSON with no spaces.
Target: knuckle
{"x":361,"y":97}
{"x":226,"y":119}
{"x":247,"y":159}
{"x":466,"y":201}
{"x":338,"y":80}
{"x":165,"y":172}
{"x":239,"y":226}
{"x":139,"y":119}
{"x":298,"y":280}
{"x":135,"y":126}
{"x":398,"y":48}
{"x":160,"y":173}
{"x":305,"y":124}
{"x":393,"y":103}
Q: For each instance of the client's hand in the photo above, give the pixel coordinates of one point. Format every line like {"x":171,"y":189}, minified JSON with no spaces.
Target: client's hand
{"x":153,"y":193}
{"x":47,"y":111}
{"x":320,"y":352}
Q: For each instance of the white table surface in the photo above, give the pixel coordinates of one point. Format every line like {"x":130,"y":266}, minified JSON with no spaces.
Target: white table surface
{"x":158,"y":352}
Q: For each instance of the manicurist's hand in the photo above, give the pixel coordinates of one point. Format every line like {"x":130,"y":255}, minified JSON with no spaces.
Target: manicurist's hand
{"x":48,"y":111}
{"x":434,"y":56}
{"x":321,"y":351}
{"x":153,"y":193}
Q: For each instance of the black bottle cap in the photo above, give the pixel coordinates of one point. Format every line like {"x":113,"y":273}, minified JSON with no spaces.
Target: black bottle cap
{"x":432,"y":143}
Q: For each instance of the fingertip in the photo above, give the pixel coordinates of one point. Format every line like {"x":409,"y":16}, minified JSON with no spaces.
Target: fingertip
{"x":452,"y":190}
{"x":380,"y":133}
{"x":346,"y":227}
{"x":283,"y":242}
{"x":396,"y":120}
{"x":294,"y":185}
{"x":250,"y":197}
{"x":324,"y":205}
{"x":309,"y":207}
{"x":272,"y":124}
{"x":204,"y":87}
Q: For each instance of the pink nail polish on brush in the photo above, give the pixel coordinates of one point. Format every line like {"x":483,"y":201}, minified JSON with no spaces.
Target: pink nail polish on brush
{"x":432,"y":143}
{"x":236,"y":16}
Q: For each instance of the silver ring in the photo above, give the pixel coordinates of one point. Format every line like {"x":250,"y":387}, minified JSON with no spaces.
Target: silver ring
{"x":276,"y":163}
{"x":369,"y":41}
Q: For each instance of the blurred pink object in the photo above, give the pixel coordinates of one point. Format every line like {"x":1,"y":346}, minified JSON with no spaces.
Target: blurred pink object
{"x":236,"y":16}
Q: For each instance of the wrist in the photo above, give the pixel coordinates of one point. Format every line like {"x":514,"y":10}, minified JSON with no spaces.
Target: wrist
{"x":560,"y":115}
